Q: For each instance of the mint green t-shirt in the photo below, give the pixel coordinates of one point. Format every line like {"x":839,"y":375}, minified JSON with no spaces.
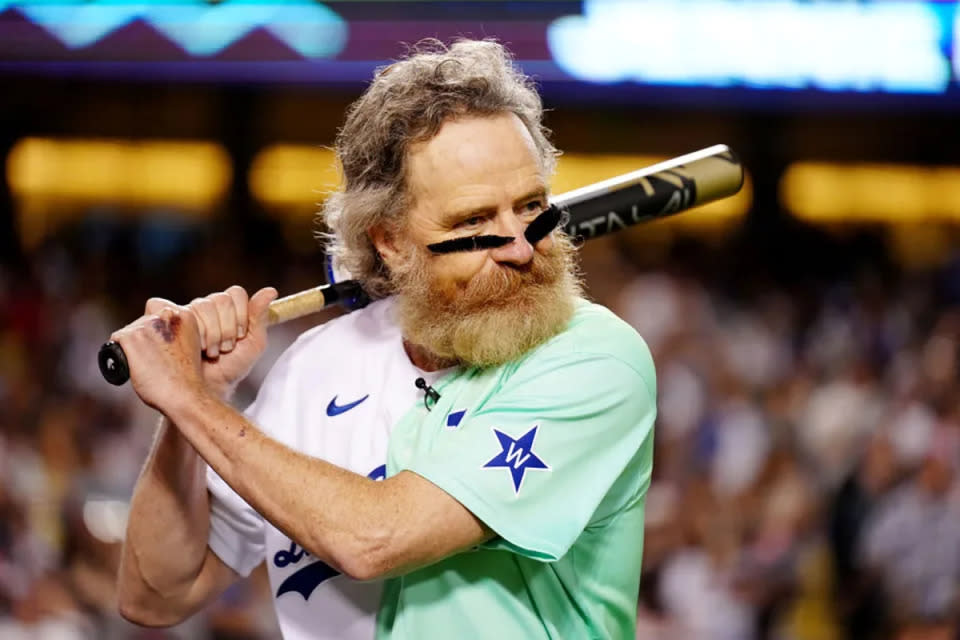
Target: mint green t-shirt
{"x":553,"y":452}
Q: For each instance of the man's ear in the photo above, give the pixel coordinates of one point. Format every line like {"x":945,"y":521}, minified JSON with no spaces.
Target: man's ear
{"x":384,"y":240}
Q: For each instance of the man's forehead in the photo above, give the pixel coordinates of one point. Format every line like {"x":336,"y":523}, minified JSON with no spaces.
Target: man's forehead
{"x":473,"y":154}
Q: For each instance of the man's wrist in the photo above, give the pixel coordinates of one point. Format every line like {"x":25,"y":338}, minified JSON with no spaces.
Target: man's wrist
{"x":224,"y":392}
{"x":190,"y":403}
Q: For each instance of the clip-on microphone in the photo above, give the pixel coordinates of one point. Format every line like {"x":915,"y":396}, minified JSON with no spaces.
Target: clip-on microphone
{"x":431,"y":395}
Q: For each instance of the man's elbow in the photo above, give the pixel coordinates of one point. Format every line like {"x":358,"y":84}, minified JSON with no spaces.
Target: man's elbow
{"x":147,"y":614}
{"x":361,"y":566}
{"x":372,"y":558}
{"x":141,"y":604}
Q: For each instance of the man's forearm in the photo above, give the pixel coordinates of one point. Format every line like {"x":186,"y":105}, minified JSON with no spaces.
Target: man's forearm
{"x":166,"y":542}
{"x":337,"y":515}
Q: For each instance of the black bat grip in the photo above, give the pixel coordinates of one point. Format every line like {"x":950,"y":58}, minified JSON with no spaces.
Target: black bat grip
{"x":113,"y":363}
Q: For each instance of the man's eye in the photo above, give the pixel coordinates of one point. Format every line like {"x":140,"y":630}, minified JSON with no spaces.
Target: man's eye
{"x":534,"y":206}
{"x":471,"y":222}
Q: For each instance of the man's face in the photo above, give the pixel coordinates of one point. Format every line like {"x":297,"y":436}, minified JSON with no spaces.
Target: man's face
{"x":478,"y":176}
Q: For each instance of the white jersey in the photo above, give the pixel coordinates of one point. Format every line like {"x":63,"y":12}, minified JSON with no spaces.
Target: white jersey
{"x":335,"y":394}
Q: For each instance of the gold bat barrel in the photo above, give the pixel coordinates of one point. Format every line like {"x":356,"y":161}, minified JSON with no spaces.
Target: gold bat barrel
{"x":661,"y":190}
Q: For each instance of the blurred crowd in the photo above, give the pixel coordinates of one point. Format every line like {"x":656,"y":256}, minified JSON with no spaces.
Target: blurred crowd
{"x":805,"y":482}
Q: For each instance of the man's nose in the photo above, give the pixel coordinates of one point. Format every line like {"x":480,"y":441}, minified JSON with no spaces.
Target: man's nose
{"x":518,"y":252}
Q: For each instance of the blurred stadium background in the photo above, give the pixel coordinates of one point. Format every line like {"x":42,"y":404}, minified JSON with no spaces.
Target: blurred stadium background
{"x":805,"y":331}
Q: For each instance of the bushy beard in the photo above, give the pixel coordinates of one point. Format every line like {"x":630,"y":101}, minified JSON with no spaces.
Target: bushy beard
{"x":493,"y":318}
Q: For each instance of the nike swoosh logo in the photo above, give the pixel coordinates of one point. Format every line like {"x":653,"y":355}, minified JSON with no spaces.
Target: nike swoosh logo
{"x":333,"y":409}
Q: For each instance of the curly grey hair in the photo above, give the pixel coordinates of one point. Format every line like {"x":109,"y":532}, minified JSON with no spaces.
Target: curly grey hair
{"x":407,"y":103}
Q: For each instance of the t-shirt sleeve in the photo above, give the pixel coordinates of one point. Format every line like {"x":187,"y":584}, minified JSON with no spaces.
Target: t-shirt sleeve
{"x":540,"y":459}
{"x":236,"y":530}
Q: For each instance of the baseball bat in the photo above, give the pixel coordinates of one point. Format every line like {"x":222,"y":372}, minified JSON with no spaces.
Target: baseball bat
{"x":651,"y":193}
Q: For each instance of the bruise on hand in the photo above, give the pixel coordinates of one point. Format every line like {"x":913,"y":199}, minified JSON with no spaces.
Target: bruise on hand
{"x":167,"y":330}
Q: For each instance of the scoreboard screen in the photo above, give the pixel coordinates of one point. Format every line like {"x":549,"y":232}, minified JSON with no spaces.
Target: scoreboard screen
{"x":770,"y":54}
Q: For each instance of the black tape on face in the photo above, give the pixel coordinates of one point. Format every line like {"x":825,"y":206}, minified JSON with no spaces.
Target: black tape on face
{"x":543,"y":224}
{"x":470,"y":243}
{"x":536,"y":231}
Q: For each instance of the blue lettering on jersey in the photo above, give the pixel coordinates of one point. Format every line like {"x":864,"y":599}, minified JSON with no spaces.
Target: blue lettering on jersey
{"x":333,"y":409}
{"x":292,"y":556}
{"x":454,"y":419}
{"x":517,"y":456}
{"x":304,"y":581}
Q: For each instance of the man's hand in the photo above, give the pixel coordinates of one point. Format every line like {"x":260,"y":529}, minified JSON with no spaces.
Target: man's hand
{"x":164,"y":346}
{"x":233,"y":334}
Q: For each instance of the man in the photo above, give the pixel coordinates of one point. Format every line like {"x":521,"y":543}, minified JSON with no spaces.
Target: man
{"x":909,"y":548}
{"x":515,"y":472}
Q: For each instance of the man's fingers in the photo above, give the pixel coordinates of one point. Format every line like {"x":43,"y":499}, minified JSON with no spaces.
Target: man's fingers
{"x":166,"y":324}
{"x":154,"y":305}
{"x":222,"y":318}
{"x":227,"y":316}
{"x":260,"y":305}
{"x":201,"y":327}
{"x":208,"y":322}
{"x":240,"y":301}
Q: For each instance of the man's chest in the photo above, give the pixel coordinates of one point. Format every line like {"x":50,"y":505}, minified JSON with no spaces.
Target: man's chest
{"x":344,"y":416}
{"x":424,"y":429}
{"x":346,"y":413}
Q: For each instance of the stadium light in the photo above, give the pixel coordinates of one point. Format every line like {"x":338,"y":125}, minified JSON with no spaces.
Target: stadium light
{"x":821,"y":192}
{"x":54,"y":180}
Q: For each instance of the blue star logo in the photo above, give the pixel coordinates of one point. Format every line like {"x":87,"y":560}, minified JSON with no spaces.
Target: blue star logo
{"x":517,"y":456}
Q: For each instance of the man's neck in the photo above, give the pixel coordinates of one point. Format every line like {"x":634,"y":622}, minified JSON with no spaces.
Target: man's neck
{"x":424,"y":359}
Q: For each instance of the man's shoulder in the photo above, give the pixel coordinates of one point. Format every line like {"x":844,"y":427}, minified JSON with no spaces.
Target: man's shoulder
{"x":345,"y":337}
{"x":589,"y":317}
{"x":373,"y":323}
{"x":595,"y":331}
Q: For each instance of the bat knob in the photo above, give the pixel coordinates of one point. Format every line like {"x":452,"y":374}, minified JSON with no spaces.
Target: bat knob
{"x":113,"y":363}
